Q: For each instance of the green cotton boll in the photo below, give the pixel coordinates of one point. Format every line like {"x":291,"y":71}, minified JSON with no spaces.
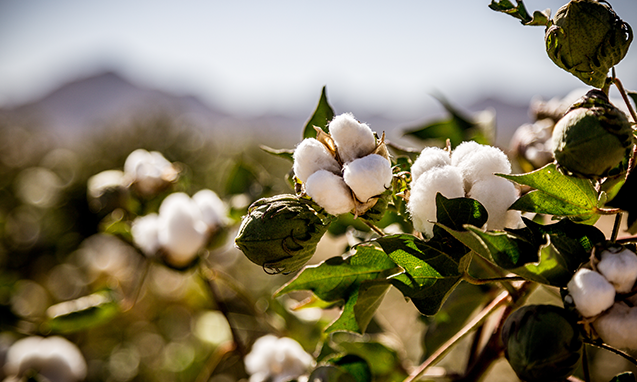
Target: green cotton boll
{"x":542,"y":343}
{"x":593,"y":138}
{"x":586,"y":38}
{"x":281,"y":233}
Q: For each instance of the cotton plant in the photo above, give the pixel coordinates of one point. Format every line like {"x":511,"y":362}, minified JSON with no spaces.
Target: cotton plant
{"x":181,"y":228}
{"x":53,"y":359}
{"x":278,"y":360}
{"x":467,"y":171}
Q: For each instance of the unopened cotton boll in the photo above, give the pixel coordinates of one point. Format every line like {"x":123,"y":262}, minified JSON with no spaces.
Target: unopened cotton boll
{"x":617,"y":326}
{"x":352,"y":138}
{"x":619,"y":267}
{"x":54,"y":358}
{"x":446,"y":180}
{"x":213,"y":209}
{"x":496,"y":195}
{"x":182,"y":231}
{"x":145,"y":232}
{"x":478,"y":161}
{"x":368,"y":176}
{"x":277,"y":360}
{"x":330,"y":192}
{"x":310,"y":156}
{"x":429,"y":157}
{"x":591,"y":292}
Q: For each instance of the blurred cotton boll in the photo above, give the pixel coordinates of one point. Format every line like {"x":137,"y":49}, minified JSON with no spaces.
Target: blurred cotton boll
{"x":182,"y":231}
{"x":106,"y":190}
{"x":149,"y":172}
{"x":54,"y":358}
{"x":214,"y":211}
{"x":277,"y":360}
{"x":145,"y":232}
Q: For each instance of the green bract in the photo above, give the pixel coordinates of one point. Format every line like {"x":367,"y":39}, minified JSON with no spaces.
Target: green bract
{"x":586,"y":39}
{"x":281,"y":233}
{"x":542,"y":343}
{"x":593,"y":138}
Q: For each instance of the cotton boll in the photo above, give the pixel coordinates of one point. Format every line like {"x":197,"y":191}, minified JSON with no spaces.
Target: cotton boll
{"x":148,"y":171}
{"x":368,"y":176}
{"x":277,"y":360}
{"x":422,"y":201}
{"x":182,"y":231}
{"x":311,"y":156}
{"x":619,"y":266}
{"x":145,"y":234}
{"x":617,"y":326}
{"x":330,"y":192}
{"x":496,"y":195}
{"x":352,"y":138}
{"x":429,"y":157}
{"x":478,"y":161}
{"x":591,"y":292}
{"x":213,"y":209}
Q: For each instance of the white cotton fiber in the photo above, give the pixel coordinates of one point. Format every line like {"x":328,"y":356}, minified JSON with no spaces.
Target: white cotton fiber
{"x":311,"y":156}
{"x":330,"y":192}
{"x":591,"y":292}
{"x":352,"y":138}
{"x":182,"y":231}
{"x":422,"y":200}
{"x":478,"y":161}
{"x":213,"y":209}
{"x":430,"y":157}
{"x":144,"y":230}
{"x":368,"y":176}
{"x":617,"y":327}
{"x":620,"y":268}
{"x":496,"y":195}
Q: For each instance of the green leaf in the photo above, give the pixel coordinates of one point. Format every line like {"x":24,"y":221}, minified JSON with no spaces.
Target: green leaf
{"x":556,"y":194}
{"x":82,"y":313}
{"x":321,"y":117}
{"x":331,"y":373}
{"x":519,"y":12}
{"x":361,"y":281}
{"x":283,"y":153}
{"x":507,"y":249}
{"x":455,"y":213}
{"x":354,"y":365}
{"x":360,"y":307}
{"x":241,"y":178}
{"x":384,"y":362}
{"x":624,"y":377}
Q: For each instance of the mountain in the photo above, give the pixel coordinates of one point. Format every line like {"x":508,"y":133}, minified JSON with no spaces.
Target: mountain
{"x":85,"y":105}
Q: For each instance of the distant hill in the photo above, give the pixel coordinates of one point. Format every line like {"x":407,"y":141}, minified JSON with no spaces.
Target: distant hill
{"x":80,"y":107}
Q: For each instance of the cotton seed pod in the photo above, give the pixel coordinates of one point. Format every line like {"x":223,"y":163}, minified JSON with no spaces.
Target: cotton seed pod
{"x":619,"y":266}
{"x":591,"y":292}
{"x":542,"y":343}
{"x":586,"y":39}
{"x":281,"y":233}
{"x":593,"y":138}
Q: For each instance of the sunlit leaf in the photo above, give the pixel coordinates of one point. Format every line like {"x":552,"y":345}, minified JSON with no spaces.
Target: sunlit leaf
{"x":321,"y":117}
{"x":556,"y":194}
{"x":354,"y":365}
{"x":383,"y":361}
{"x":82,"y":313}
{"x":519,"y":12}
{"x":360,"y":307}
{"x":282,"y":153}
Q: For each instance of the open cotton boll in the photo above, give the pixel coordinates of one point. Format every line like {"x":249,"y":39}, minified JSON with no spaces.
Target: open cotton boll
{"x":496,"y":195}
{"x":617,"y":326}
{"x":422,"y":201}
{"x":619,"y":267}
{"x":368,"y":176}
{"x":330,"y":192}
{"x":478,"y":161}
{"x":591,"y":292}
{"x":429,"y":157}
{"x":182,"y":231}
{"x":310,"y":156}
{"x":277,"y":360}
{"x":213,"y":209}
{"x":149,"y":171}
{"x":352,"y":138}
{"x":145,"y":234}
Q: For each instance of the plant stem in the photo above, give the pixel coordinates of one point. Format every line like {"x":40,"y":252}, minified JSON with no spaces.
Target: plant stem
{"x":624,"y":95}
{"x":132,"y":300}
{"x":475,"y":281}
{"x":374,"y":228}
{"x":501,"y":299}
{"x":611,"y":349}
{"x":618,"y":222}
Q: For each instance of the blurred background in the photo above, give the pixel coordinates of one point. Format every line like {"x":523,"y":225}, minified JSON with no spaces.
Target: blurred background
{"x":84,"y":83}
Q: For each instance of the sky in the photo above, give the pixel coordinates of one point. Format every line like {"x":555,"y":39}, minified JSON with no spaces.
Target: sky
{"x":255,"y":56}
